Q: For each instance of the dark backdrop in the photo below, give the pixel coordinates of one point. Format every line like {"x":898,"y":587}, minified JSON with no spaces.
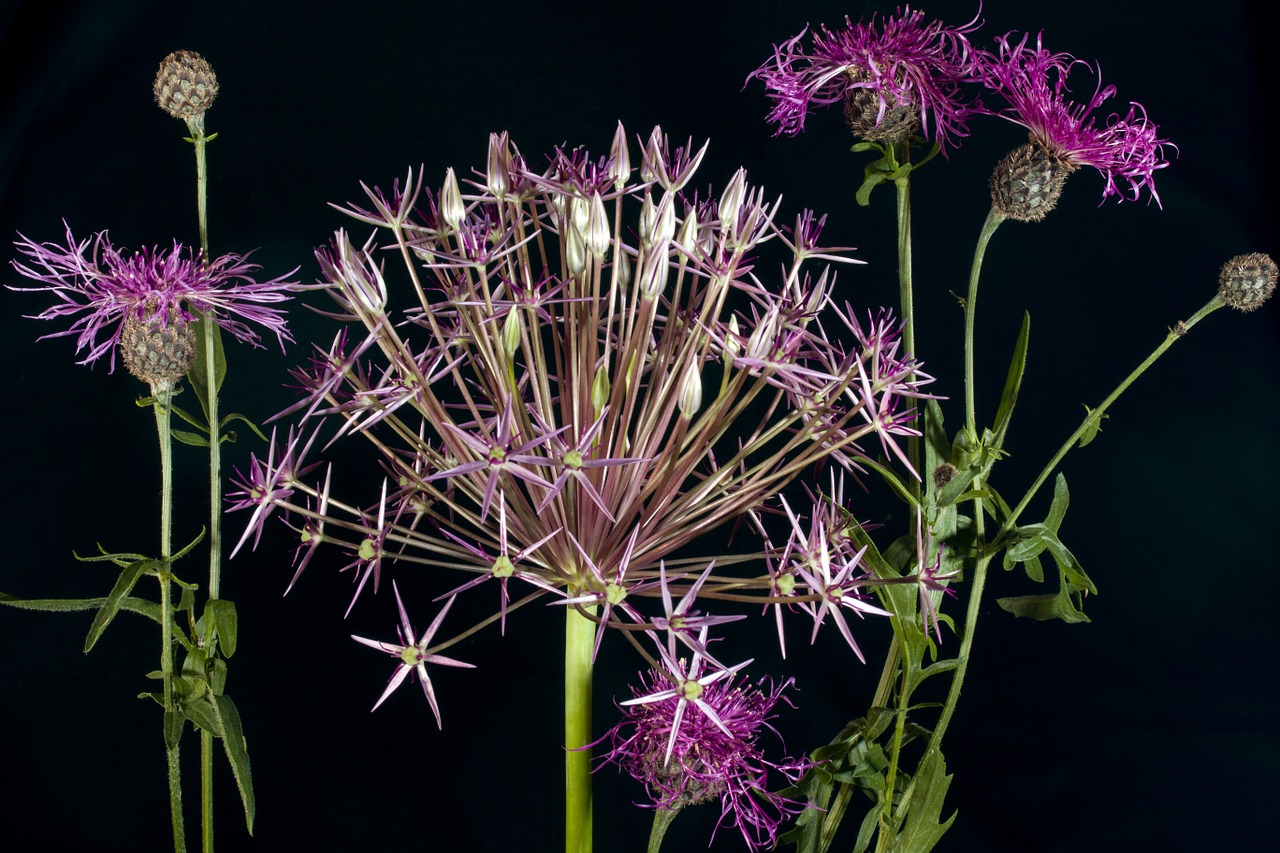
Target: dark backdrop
{"x":1154,"y":726}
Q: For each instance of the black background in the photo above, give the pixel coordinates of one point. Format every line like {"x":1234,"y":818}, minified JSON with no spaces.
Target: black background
{"x":1156,"y":725}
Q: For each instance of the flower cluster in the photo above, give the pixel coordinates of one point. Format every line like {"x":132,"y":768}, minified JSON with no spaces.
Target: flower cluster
{"x":592,"y":373}
{"x":105,"y":288}
{"x":905,"y":71}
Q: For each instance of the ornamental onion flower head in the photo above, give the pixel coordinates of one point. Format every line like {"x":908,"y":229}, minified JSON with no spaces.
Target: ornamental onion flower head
{"x":894,"y":76}
{"x":571,"y":375}
{"x":142,"y":300}
{"x":1064,"y":134}
{"x":690,"y":758}
{"x":1247,"y":281}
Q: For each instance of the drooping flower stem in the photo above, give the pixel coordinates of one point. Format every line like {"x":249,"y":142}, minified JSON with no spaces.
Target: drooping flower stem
{"x":579,"y":643}
{"x":163,"y":398}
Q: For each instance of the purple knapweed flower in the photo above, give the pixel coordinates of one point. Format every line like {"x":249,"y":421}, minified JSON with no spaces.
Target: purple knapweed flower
{"x":102,"y":287}
{"x":1033,"y":81}
{"x":413,"y":655}
{"x":686,"y":759}
{"x":894,"y":76}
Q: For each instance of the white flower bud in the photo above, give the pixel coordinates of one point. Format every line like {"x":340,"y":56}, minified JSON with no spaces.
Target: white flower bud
{"x":731,"y":200}
{"x":653,"y":273}
{"x":498,"y":172}
{"x":575,"y":252}
{"x":451,"y":208}
{"x":597,"y":230}
{"x":689,"y":231}
{"x":619,"y":159}
{"x":511,"y":333}
{"x":690,"y":392}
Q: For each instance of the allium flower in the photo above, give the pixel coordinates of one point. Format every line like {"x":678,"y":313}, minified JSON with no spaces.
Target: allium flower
{"x":892,"y":76}
{"x":1064,"y":133}
{"x":104,"y":287}
{"x":413,"y":655}
{"x":690,"y":758}
{"x":579,"y":375}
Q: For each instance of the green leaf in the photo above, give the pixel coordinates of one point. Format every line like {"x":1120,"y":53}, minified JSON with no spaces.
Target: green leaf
{"x":236,"y":416}
{"x":199,"y":374}
{"x":868,"y":828}
{"x":189,"y":438}
{"x":237,"y":753}
{"x":1061,"y":500}
{"x":217,"y":674}
{"x":111,"y":604}
{"x":203,"y":715}
{"x":1044,"y":608}
{"x":173,"y":722}
{"x":869,"y":183}
{"x":70,"y":605}
{"x":1013,"y":381}
{"x":222,"y":613}
{"x":1092,"y":427}
{"x":922,"y":831}
{"x":190,"y":418}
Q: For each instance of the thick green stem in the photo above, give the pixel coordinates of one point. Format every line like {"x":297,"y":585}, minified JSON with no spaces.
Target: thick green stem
{"x":579,"y":642}
{"x":164,"y":397}
{"x":196,"y":127}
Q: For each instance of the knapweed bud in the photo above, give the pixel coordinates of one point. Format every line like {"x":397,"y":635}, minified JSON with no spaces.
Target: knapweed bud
{"x":876,"y":115}
{"x":1027,"y":183}
{"x":1247,"y":281}
{"x":157,"y":350}
{"x":185,"y":85}
{"x":943,"y":474}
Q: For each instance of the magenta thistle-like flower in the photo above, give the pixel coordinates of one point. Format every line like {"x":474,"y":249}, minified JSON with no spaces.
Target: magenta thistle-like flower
{"x":685,"y":759}
{"x":413,"y":655}
{"x":1033,"y":82}
{"x":890,"y":74}
{"x":102,"y":286}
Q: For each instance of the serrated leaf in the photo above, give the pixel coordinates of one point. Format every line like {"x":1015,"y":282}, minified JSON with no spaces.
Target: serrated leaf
{"x":1013,"y":380}
{"x":111,"y":604}
{"x":1044,"y":608}
{"x":223,"y":615}
{"x":921,"y":831}
{"x":237,"y":753}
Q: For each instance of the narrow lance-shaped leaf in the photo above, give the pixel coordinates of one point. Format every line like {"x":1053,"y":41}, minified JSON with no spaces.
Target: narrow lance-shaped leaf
{"x":111,"y":604}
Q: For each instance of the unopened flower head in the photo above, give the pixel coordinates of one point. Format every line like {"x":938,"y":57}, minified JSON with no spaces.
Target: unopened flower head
{"x":1127,"y":150}
{"x":1247,"y":281}
{"x":894,"y":76}
{"x":185,"y":85}
{"x":696,"y":757}
{"x":103,"y":287}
